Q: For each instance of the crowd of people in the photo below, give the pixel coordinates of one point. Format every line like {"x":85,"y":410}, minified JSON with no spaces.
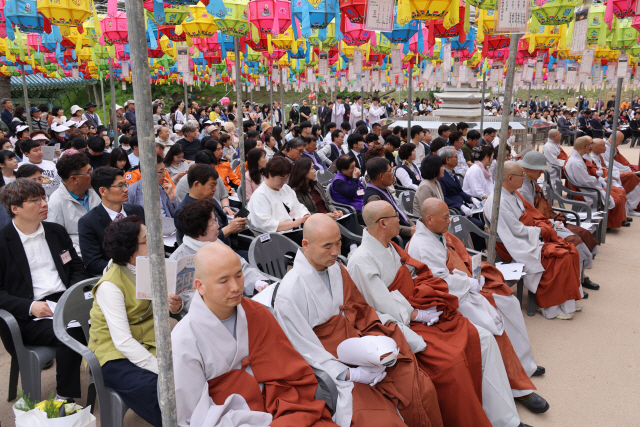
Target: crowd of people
{"x":407,"y":333}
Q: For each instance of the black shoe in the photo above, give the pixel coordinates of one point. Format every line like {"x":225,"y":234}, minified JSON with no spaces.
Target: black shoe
{"x":535,"y":403}
{"x":585,"y":295}
{"x":629,"y":219}
{"x":48,"y":365}
{"x":626,"y":224}
{"x":524,"y":425}
{"x":539,"y":371}
{"x":590,"y":285}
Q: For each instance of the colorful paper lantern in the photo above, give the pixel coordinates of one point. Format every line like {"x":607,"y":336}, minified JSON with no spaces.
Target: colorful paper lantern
{"x":348,"y":50}
{"x":319,"y":13}
{"x":286,"y":40}
{"x":354,"y":10}
{"x":483,"y":4}
{"x":435,"y":9}
{"x":235,"y":23}
{"x":330,"y":41}
{"x":23,"y":15}
{"x":270,"y":17}
{"x":114,"y":27}
{"x":624,"y":35}
{"x":170,"y":32}
{"x":66,"y":13}
{"x":3,"y":21}
{"x":599,"y":30}
{"x":553,"y":12}
{"x":402,"y":33}
{"x":623,"y":8}
{"x":199,"y":24}
{"x":354,"y":34}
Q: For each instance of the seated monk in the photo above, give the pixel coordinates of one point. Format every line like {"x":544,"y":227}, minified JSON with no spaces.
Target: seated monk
{"x":554,"y":154}
{"x":534,"y":164}
{"x":233,"y":364}
{"x":619,"y":161}
{"x":462,"y":360}
{"x":622,"y":178}
{"x":577,"y":170}
{"x":552,"y":265}
{"x":319,"y":307}
{"x":448,"y":259}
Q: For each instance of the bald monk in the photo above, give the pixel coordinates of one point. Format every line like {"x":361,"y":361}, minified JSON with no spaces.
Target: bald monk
{"x":533,"y":165}
{"x":462,"y":360}
{"x":554,"y":154}
{"x":447,"y":258}
{"x":577,"y":169}
{"x":319,"y":307}
{"x":233,"y":364}
{"x":552,"y":265}
{"x":619,"y":161}
{"x":622,"y":178}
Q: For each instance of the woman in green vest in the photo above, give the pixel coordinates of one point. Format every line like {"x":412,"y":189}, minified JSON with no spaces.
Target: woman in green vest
{"x":122,"y":332}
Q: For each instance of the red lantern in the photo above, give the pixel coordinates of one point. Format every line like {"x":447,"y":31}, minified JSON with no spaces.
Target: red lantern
{"x":213,"y":57}
{"x":274,"y":56}
{"x":439,"y":30}
{"x":623,"y":8}
{"x":495,"y":42}
{"x":261,"y":46}
{"x":170,"y":32}
{"x":354,"y":10}
{"x":312,"y":96}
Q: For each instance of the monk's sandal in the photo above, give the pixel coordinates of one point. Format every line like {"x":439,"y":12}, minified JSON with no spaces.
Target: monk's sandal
{"x":535,"y":403}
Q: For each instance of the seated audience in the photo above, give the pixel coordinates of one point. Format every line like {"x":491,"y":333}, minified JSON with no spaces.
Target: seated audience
{"x":355,"y":142}
{"x":175,"y":163}
{"x":478,"y":181}
{"x":8,"y":165}
{"x":457,"y":142}
{"x":96,"y":152}
{"x":310,"y":145}
{"x":432,"y":171}
{"x":38,"y":263}
{"x":33,"y":156}
{"x":113,"y":190}
{"x":309,"y":192}
{"x":168,"y":201}
{"x":122,"y":326}
{"x":346,"y":187}
{"x":254,"y":176}
{"x":118,"y":158}
{"x":408,"y":173}
{"x":230,"y":372}
{"x":75,"y":197}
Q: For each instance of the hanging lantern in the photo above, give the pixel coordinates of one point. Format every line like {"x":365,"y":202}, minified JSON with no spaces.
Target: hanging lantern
{"x":624,"y":36}
{"x":34,"y":43}
{"x":286,"y":40}
{"x":251,"y":55}
{"x":122,"y":52}
{"x":199,"y":24}
{"x":441,"y":30}
{"x":495,"y":42}
{"x":174,"y":13}
{"x":553,"y":12}
{"x":318,"y":12}
{"x":24,"y":16}
{"x":483,"y":4}
{"x":383,"y":45}
{"x":496,"y":55}
{"x":546,"y":37}
{"x":434,"y":9}
{"x":235,"y":23}
{"x":270,"y":17}
{"x":114,"y":28}
{"x":274,"y":56}
{"x":623,"y":8}
{"x":259,"y":45}
{"x":354,"y":10}
{"x":208,"y":44}
{"x":330,"y":41}
{"x":402,"y":33}
{"x":170,"y":32}
{"x":598,"y":30}
{"x":354,"y":34}
{"x":487,"y":20}
{"x":348,"y":50}
{"x":3,"y":21}
{"x":606,"y":54}
{"x":66,"y":13}
{"x":565,"y":53}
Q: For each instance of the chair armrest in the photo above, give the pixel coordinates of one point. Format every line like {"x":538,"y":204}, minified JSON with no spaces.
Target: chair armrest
{"x":14,"y":328}
{"x":348,"y":234}
{"x":415,"y":218}
{"x":344,"y":208}
{"x":328,"y":383}
{"x":454,"y":211}
{"x":569,"y":212}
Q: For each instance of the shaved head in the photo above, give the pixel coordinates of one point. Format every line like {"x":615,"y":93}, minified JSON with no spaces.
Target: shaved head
{"x":511,"y":168}
{"x":582,"y":142}
{"x":433,"y":206}
{"x":219,"y":279}
{"x":382,"y":220}
{"x":321,"y":241}
{"x":553,"y":133}
{"x":435,"y":215}
{"x":618,"y":139}
{"x":599,"y":146}
{"x":374,"y":210}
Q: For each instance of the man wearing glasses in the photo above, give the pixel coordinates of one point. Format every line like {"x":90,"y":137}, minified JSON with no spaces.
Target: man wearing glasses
{"x":168,"y":202}
{"x":75,"y":197}
{"x":109,"y":184}
{"x":37,"y":264}
{"x":553,"y":272}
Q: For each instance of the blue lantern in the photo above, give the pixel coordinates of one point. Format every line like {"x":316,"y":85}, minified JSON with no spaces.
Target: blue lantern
{"x":24,"y":15}
{"x":402,"y":33}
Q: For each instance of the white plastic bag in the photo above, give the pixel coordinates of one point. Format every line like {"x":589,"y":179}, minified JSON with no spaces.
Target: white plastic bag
{"x":37,"y":418}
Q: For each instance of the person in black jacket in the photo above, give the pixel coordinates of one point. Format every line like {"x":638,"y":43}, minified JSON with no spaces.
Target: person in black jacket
{"x":190,"y":143}
{"x":37,"y":264}
{"x":113,"y":190}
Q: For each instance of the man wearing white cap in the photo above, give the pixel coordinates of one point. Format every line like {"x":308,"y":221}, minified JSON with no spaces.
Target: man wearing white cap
{"x":130,"y":114}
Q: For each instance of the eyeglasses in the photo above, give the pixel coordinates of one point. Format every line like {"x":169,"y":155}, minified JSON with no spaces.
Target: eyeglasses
{"x":80,"y":174}
{"x":36,"y":201}
{"x":161,"y":171}
{"x":397,"y":215}
{"x":121,"y":186}
{"x":522,"y":175}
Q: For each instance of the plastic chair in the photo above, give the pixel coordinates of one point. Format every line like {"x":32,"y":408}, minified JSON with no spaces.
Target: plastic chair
{"x":27,"y":360}
{"x":406,"y":200}
{"x":460,"y":178}
{"x":635,"y":136}
{"x":76,"y":305}
{"x":344,"y":207}
{"x":600,"y":134}
{"x":271,"y":253}
{"x":324,"y":176}
{"x":235,"y":163}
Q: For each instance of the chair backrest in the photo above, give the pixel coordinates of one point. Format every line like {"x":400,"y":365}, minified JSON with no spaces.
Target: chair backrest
{"x":77,"y":304}
{"x":462,"y":228}
{"x":324,"y":176}
{"x":461,"y":179}
{"x":406,"y":200}
{"x":271,"y":253}
{"x":235,"y":163}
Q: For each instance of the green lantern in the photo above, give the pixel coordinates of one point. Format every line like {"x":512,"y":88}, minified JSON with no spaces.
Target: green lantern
{"x":598,"y":30}
{"x":329,"y":43}
{"x":483,"y":4}
{"x":236,"y":22}
{"x":624,"y":36}
{"x":553,"y":12}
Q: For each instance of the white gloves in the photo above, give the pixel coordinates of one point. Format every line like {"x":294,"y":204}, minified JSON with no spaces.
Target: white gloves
{"x":475,"y":284}
{"x":371,"y":375}
{"x":260,"y":285}
{"x":429,"y":316}
{"x":599,"y":172}
{"x":465,"y":210}
{"x":476,"y":202}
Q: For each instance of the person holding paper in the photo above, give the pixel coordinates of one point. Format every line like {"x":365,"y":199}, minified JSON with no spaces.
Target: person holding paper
{"x":233,"y":364}
{"x":199,"y":226}
{"x":462,"y":360}
{"x":122,"y":329}
{"x":38,"y":263}
{"x":552,"y":264}
{"x":581,"y":171}
{"x":319,"y":307}
{"x":375,"y":111}
{"x":478,"y":181}
{"x":534,"y":163}
{"x":486,"y":301}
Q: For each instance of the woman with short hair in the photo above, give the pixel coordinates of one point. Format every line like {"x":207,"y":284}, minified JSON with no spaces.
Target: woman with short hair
{"x":432,"y":169}
{"x":408,"y":173}
{"x":122,"y":325}
{"x":478,"y":181}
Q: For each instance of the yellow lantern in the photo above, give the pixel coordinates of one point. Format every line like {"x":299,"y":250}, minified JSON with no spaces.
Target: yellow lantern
{"x":236,"y":22}
{"x":168,"y":47}
{"x":199,"y":24}
{"x":546,"y":37}
{"x":606,"y":54}
{"x":286,"y":41}
{"x":349,"y":50}
{"x":66,"y":13}
{"x":436,"y":9}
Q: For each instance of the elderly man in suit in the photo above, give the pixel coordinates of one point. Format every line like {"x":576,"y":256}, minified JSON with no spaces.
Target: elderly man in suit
{"x":109,"y":183}
{"x":37,"y":264}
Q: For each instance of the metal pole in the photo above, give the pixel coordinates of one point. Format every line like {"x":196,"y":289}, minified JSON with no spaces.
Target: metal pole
{"x":186,"y":105}
{"x":114,"y":117}
{"x":104,"y":106}
{"x":410,"y":96}
{"x":484,"y":84}
{"x":273,"y":118}
{"x":243,"y":191}
{"x":27,"y":105}
{"x":148,"y":165}
{"x":612,"y":152}
{"x":579,"y":109}
{"x":284,"y":115}
{"x":504,"y":131}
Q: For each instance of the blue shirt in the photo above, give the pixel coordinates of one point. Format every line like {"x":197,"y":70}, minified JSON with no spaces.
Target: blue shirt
{"x":83,"y":201}
{"x":167,"y":209}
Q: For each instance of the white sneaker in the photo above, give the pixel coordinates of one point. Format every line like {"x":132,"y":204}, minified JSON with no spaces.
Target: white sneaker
{"x":563,"y":316}
{"x":633,"y":213}
{"x":578,"y":306}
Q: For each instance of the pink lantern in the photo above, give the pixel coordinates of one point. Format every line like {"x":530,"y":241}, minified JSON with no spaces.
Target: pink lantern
{"x":210,"y":44}
{"x":224,"y":100}
{"x":635,"y":24}
{"x":3,"y":21}
{"x":114,"y":27}
{"x":270,"y":16}
{"x":275,"y":55}
{"x":33,"y":41}
{"x":622,"y":8}
{"x":121,"y":53}
{"x":354,"y":34}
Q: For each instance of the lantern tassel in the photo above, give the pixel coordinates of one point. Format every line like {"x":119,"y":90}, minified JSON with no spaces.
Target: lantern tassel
{"x":269,"y":44}
{"x":403,"y":15}
{"x":158,"y":12}
{"x":453,"y":15}
{"x":467,"y":19}
{"x":608,"y":14}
